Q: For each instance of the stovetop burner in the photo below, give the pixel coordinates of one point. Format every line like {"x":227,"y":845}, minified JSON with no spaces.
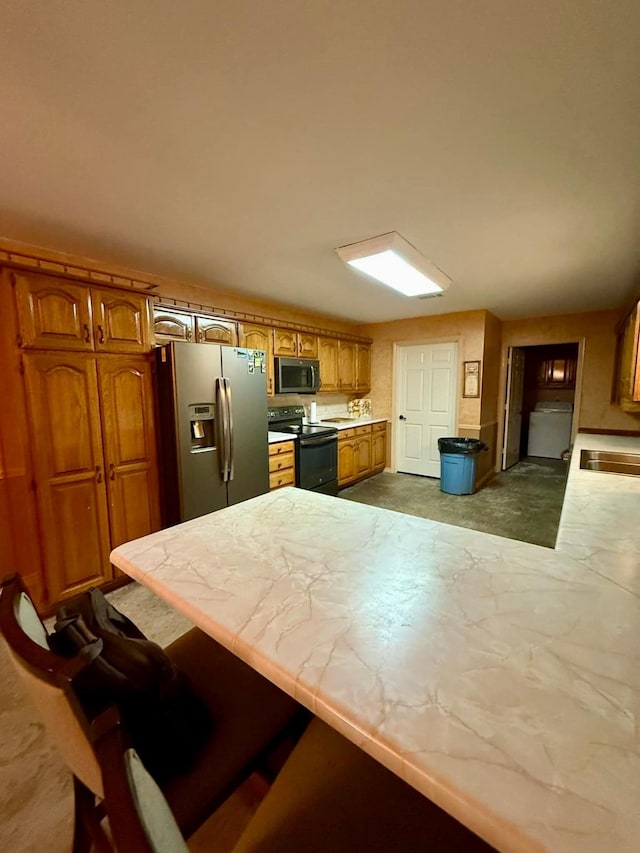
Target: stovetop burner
{"x":289,"y":419}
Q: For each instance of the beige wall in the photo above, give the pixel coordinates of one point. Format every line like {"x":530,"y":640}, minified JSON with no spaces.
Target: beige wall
{"x":597,"y":330}
{"x":468,"y":330}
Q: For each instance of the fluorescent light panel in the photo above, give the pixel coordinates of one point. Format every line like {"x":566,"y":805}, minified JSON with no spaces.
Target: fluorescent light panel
{"x":390,"y":259}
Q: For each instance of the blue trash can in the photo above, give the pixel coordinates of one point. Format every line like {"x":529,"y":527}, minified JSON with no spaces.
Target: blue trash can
{"x":458,"y":460}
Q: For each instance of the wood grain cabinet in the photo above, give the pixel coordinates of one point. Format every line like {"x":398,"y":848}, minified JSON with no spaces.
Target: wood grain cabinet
{"x":57,"y":314}
{"x":362,"y":452}
{"x":295,"y":344}
{"x":363,"y":367}
{"x":629,"y":362}
{"x":175,"y":325}
{"x":210,"y":330}
{"x":328,"y":355}
{"x":557,"y":373}
{"x":253,"y":336}
{"x":347,"y":366}
{"x":282,"y":465}
{"x":169,"y":325}
{"x":92,"y":438}
{"x":378,"y":447}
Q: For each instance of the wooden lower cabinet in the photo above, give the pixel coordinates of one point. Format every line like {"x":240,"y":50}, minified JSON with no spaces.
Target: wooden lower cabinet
{"x":282,"y":465}
{"x":95,"y":466}
{"x":362,"y":452}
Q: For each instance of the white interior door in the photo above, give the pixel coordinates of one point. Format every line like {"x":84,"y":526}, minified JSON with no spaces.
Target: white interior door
{"x":513,"y":407}
{"x":426,"y":380}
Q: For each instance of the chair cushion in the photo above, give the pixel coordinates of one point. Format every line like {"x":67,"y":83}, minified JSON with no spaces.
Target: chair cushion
{"x":159,"y":824}
{"x":249,"y":714}
{"x":330,"y":795}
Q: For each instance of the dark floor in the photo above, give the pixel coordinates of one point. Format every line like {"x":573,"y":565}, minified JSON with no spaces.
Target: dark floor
{"x":522,"y":503}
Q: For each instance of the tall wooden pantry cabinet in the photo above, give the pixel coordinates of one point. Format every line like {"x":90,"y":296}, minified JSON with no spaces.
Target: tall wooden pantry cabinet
{"x":84,"y":357}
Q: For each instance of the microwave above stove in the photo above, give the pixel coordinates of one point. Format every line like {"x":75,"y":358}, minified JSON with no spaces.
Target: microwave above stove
{"x":297,"y":375}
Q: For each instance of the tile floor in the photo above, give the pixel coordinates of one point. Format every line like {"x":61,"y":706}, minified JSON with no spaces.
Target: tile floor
{"x":522,"y":503}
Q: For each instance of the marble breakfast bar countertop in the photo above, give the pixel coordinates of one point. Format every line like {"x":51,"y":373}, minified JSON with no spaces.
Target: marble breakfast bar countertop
{"x":499,"y":678}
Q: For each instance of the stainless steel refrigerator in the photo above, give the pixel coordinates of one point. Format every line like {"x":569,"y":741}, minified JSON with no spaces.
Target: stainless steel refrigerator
{"x":214,"y":447}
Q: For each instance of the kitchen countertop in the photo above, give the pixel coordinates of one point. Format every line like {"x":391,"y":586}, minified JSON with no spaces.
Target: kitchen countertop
{"x":277,"y":437}
{"x":356,"y":422}
{"x":499,"y":678}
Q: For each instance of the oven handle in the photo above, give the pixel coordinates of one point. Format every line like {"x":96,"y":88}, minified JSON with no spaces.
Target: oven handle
{"x":320,"y":440}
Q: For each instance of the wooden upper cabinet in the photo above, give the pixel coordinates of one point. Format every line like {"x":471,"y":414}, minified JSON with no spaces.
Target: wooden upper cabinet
{"x":57,"y":314}
{"x":328,"y":353}
{"x":288,"y":342}
{"x":121,"y":321}
{"x":52,"y":313}
{"x":210,"y":330}
{"x":254,"y":336}
{"x":347,"y":366}
{"x":131,"y":466}
{"x":307,"y":345}
{"x":363,"y":367}
{"x":171,"y":325}
{"x":285,"y":342}
{"x":66,"y":441}
{"x":557,"y":373}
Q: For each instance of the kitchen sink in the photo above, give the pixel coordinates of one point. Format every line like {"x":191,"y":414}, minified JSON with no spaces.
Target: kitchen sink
{"x":610,"y":462}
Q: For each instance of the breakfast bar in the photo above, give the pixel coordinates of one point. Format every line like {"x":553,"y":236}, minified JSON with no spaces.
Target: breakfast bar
{"x":500,"y":679}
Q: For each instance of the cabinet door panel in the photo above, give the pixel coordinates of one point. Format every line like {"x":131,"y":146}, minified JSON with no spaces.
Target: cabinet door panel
{"x":64,"y":409}
{"x":212,"y":331}
{"x":363,"y":456}
{"x":307,"y":345}
{"x":121,"y":321}
{"x":259,"y":337}
{"x":346,"y":461}
{"x":285,"y":342}
{"x":379,"y":450}
{"x":328,"y":351}
{"x":347,"y":366}
{"x":172,"y":325}
{"x":53,"y":313}
{"x":363,"y":367}
{"x":126,"y":392}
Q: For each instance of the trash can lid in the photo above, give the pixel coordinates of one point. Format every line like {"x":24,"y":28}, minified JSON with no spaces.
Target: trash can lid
{"x":461,"y":444}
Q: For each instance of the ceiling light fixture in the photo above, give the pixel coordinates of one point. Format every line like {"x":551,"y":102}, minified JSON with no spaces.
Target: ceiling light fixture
{"x":390,"y":259}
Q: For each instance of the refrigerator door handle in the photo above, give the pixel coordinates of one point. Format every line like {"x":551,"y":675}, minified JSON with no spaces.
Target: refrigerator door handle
{"x":230,"y":457}
{"x":222,"y":420}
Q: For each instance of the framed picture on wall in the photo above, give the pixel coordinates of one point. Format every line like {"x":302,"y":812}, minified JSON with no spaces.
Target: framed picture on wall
{"x":471,"y":379}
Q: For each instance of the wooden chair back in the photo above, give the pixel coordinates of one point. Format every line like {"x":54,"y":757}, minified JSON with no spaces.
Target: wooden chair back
{"x":49,"y":679}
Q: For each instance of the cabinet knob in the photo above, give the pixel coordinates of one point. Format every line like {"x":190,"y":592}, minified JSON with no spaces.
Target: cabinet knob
{"x":112,"y":471}
{"x":100,"y":335}
{"x":98,"y":474}
{"x":87,"y":333}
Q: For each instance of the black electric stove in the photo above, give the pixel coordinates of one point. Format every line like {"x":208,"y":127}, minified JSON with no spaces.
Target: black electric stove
{"x":316,"y":449}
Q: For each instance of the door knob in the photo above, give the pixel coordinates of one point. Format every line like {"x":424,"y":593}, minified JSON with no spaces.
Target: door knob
{"x":402,"y":418}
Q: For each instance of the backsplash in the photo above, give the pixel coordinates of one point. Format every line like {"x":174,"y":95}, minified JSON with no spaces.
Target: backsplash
{"x":328,"y":405}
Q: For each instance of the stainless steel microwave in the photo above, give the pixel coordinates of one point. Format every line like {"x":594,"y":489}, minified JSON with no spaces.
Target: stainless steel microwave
{"x":297,"y":375}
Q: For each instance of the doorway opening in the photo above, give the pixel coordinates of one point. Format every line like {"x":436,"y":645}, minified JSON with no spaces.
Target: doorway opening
{"x":539,"y":402}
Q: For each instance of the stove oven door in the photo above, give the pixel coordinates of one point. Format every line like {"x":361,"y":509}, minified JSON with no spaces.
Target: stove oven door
{"x":317,"y":463}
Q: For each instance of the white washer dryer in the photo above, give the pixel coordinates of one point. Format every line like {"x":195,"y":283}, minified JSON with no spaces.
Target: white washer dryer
{"x":550,"y":429}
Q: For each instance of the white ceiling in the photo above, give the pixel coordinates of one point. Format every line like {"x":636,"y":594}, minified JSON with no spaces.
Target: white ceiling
{"x":238,"y":142}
